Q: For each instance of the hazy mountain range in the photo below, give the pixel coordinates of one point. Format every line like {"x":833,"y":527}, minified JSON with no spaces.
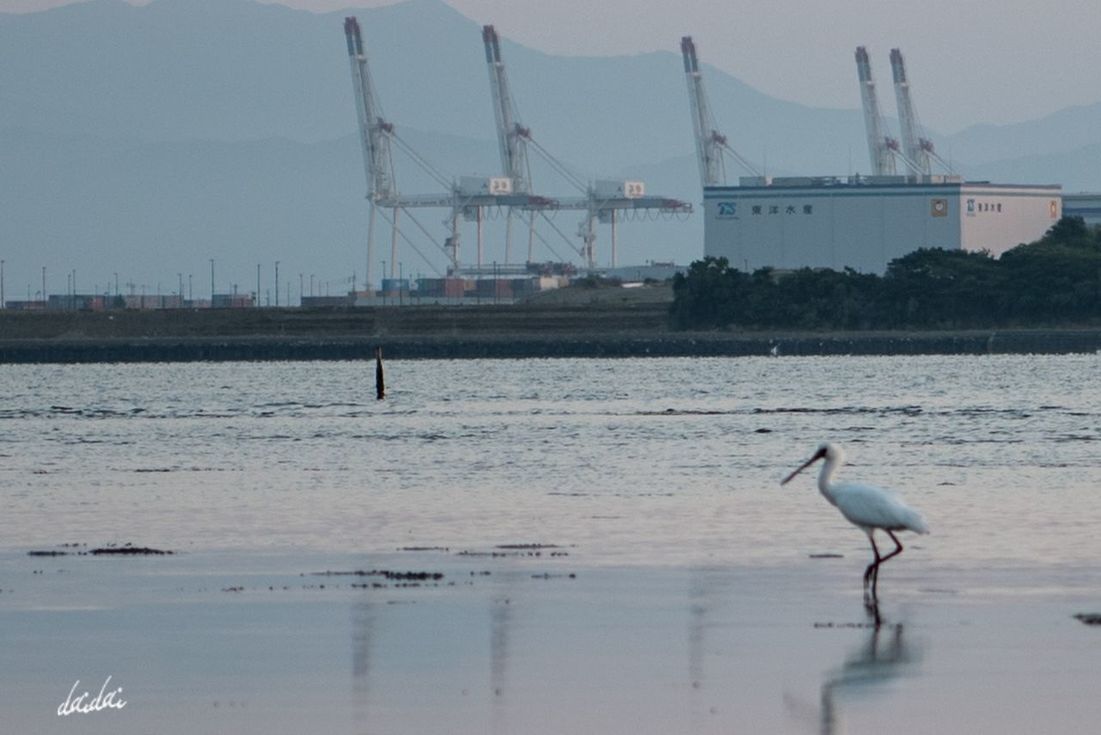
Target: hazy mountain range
{"x":146,"y":140}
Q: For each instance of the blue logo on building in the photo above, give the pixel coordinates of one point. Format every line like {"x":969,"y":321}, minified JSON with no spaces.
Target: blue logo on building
{"x":728,"y":209}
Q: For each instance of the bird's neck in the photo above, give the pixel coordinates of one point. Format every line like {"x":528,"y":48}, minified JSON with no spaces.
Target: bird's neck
{"x":825,"y":480}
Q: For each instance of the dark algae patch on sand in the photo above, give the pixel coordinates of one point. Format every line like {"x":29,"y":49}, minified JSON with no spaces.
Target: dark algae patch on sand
{"x":385,"y":574}
{"x":129,"y":550}
{"x":1089,"y":618}
{"x":110,"y":550}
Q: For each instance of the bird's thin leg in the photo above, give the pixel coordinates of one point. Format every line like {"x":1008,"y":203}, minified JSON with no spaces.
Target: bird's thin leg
{"x":898,"y":547}
{"x":869,"y":573}
{"x":896,"y":552}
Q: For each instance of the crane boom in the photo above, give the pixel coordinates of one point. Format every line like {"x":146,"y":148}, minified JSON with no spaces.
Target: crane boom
{"x":511,"y":136}
{"x":374,"y":138}
{"x":374,"y":131}
{"x":918,"y":148}
{"x":350,"y":27}
{"x":912,"y":141}
{"x":880,"y":146}
{"x":710,"y":143}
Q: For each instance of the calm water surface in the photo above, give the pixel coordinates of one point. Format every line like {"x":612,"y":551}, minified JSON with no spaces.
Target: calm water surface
{"x":649,"y":461}
{"x":694,"y":606}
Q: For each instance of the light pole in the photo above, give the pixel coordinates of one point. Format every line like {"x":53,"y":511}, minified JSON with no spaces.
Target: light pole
{"x":44,"y":284}
{"x":401,"y":283}
{"x":257,"y":284}
{"x":3,"y":304}
{"x":277,"y":283}
{"x":212,"y":283}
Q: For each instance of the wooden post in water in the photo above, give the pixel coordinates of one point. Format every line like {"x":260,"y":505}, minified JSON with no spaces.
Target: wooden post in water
{"x":380,"y":382}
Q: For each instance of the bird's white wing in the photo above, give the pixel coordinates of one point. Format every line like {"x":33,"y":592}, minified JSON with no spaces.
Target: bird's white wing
{"x":874,"y":507}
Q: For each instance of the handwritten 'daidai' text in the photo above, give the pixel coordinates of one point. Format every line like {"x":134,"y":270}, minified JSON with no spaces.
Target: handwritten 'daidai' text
{"x":81,"y":704}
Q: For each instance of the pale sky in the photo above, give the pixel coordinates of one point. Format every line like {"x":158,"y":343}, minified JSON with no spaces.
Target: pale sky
{"x":969,"y":61}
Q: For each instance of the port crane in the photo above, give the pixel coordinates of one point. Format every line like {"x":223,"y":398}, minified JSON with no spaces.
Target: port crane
{"x":917,"y":148}
{"x":512,"y":138}
{"x":881,"y":147}
{"x":602,"y":201}
{"x":465,"y":199}
{"x":710,"y":143}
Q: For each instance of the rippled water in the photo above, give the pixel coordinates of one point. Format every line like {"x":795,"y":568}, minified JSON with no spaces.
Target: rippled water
{"x":651,"y":461}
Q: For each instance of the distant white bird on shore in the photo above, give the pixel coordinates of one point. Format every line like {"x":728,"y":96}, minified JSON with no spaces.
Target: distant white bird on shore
{"x":867,"y":507}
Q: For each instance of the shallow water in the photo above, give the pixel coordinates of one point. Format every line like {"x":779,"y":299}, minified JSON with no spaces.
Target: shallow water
{"x":695,"y":605}
{"x":661,"y":461}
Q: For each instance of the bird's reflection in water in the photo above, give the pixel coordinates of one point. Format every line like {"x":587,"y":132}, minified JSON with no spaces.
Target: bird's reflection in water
{"x":698,"y":604}
{"x":883,"y":656}
{"x":707,"y":594}
{"x":363,"y":624}
{"x":500,"y":635}
{"x":500,"y":623}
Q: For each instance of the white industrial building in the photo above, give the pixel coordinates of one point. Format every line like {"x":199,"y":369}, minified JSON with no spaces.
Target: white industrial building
{"x":858,"y":222}
{"x":866,"y":222}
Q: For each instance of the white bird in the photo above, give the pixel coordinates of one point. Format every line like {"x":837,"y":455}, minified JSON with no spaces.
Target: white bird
{"x":867,"y":507}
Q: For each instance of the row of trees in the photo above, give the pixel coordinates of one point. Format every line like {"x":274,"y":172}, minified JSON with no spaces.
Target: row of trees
{"x":1054,"y":281}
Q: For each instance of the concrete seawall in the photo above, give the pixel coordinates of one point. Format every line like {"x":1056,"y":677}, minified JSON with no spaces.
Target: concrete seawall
{"x":189,"y":349}
{"x":436,"y":332}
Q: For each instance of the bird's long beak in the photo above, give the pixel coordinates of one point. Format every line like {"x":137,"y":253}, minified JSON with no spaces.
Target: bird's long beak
{"x":817,"y":456}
